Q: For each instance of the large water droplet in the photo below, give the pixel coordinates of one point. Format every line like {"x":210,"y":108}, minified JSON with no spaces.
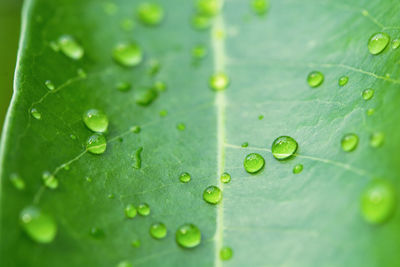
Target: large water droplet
{"x":226,"y":253}
{"x":260,"y":7}
{"x":284,"y":147}
{"x":225,"y":178}
{"x":96,"y":144}
{"x":208,"y":7}
{"x":95,"y":120}
{"x":49,"y":84}
{"x":315,"y":79}
{"x":184,"y":177}
{"x":128,"y":55}
{"x":70,"y":47}
{"x":212,"y":195}
{"x":17,"y":181}
{"x":298,"y":168}
{"x":146,"y":97}
{"x":150,"y":14}
{"x":130,"y":211}
{"x":378,"y":201}
{"x":39,"y":226}
{"x":349,"y":142}
{"x":377,"y":139}
{"x":253,"y":163}
{"x":158,"y":230}
{"x":219,"y":81}
{"x":378,"y":42}
{"x":36,"y":114}
{"x":367,"y":94}
{"x":343,"y":80}
{"x":143,"y":209}
{"x":188,"y":236}
{"x":49,"y":180}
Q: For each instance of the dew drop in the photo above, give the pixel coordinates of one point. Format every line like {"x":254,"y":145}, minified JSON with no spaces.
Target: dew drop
{"x":128,"y":55}
{"x":17,"y":181}
{"x":36,"y":114}
{"x":378,"y":42}
{"x":181,"y":126}
{"x":97,"y":233}
{"x":219,"y":81}
{"x":201,"y":22}
{"x":315,"y":79}
{"x":81,"y":73}
{"x":245,"y":144}
{"x":298,"y":168}
{"x":95,"y":120}
{"x":135,"y":129}
{"x":163,"y":113}
{"x":349,"y":142}
{"x":212,"y":195}
{"x":88,"y":179}
{"x":111,"y":196}
{"x":49,"y":180}
{"x":367,"y":94}
{"x":158,"y":230}
{"x":395,"y":43}
{"x":96,"y":144}
{"x":260,"y":7}
{"x":137,"y":156}
{"x":143,"y":209}
{"x":130,"y":211}
{"x":160,"y":86}
{"x":70,"y":47}
{"x":343,"y":80}
{"x":208,"y":8}
{"x":124,"y":86}
{"x":226,"y":253}
{"x":253,"y":163}
{"x":125,"y":264}
{"x":199,"y":52}
{"x":185,"y":177}
{"x":377,"y":139}
{"x":150,"y":14}
{"x":370,"y":111}
{"x":188,"y":236}
{"x":284,"y":147}
{"x":39,"y":226}
{"x":49,"y":84}
{"x":225,"y":178}
{"x":136,"y":243}
{"x":260,"y":117}
{"x":146,"y":97}
{"x":378,"y":201}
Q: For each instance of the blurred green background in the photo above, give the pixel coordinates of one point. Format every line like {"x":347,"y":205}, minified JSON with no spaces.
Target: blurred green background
{"x":10,"y":11}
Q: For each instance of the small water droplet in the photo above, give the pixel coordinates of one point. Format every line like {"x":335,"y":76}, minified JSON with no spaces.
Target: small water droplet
{"x":219,"y":82}
{"x":111,"y":196}
{"x":261,"y":117}
{"x":199,"y":51}
{"x":163,"y":113}
{"x":96,"y":144}
{"x":130,"y":211}
{"x":377,"y":139}
{"x":370,"y":111}
{"x":49,"y":84}
{"x":49,"y":180}
{"x":185,"y":177}
{"x":72,"y":136}
{"x":284,"y":147}
{"x":124,"y":86}
{"x":343,"y":80}
{"x":128,"y":55}
{"x":225,"y":178}
{"x":188,"y":236}
{"x":97,"y":233}
{"x":212,"y":195}
{"x":95,"y":120}
{"x":260,"y":7}
{"x":137,"y":156}
{"x":367,"y":94}
{"x":315,"y":79}
{"x":88,"y":179}
{"x":253,"y":163}
{"x":143,"y":209}
{"x":81,"y":73}
{"x":298,"y":168}
{"x":208,"y":8}
{"x":226,"y":253}
{"x":17,"y":181}
{"x":136,"y":243}
{"x":36,"y":114}
{"x":150,"y":14}
{"x":158,"y":230}
{"x":39,"y":226}
{"x":245,"y":144}
{"x":160,"y":86}
{"x":66,"y":167}
{"x":201,"y":22}
{"x":181,"y":126}
{"x":125,"y":264}
{"x":135,"y":129}
{"x":395,"y":43}
{"x":146,"y":97}
{"x":378,"y":201}
{"x":378,"y":42}
{"x":70,"y":47}
{"x":349,"y":142}
{"x":127,"y":24}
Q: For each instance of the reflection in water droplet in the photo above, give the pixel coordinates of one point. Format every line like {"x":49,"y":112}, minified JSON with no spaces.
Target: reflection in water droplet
{"x":158,"y":230}
{"x":343,"y":80}
{"x":378,"y":42}
{"x":150,"y":14}
{"x":253,"y":163}
{"x":284,"y":147}
{"x":315,"y":79}
{"x":349,"y":142}
{"x":367,"y":94}
{"x":70,"y":47}
{"x":377,"y":139}
{"x":39,"y":226}
{"x":212,"y":195}
{"x":17,"y":181}
{"x":184,"y":177}
{"x":225,"y":178}
{"x":128,"y":55}
{"x":95,"y":120}
{"x":226,"y":253}
{"x":96,"y":144}
{"x":36,"y":114}
{"x":188,"y":236}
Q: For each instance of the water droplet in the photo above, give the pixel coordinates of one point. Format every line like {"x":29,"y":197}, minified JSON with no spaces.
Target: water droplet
{"x":253,"y":163}
{"x":72,"y":136}
{"x":201,"y":22}
{"x":36,"y":114}
{"x":146,"y":97}
{"x":70,"y":47}
{"x":284,"y":147}
{"x":39,"y":226}
{"x":137,"y":156}
{"x":160,"y":86}
{"x":127,"y":24}
{"x":66,"y":167}
{"x":395,"y":43}
{"x":135,"y":129}
{"x":245,"y":144}
{"x":49,"y":180}
{"x":349,"y":142}
{"x":128,"y":55}
{"x":226,"y":253}
{"x":150,"y":14}
{"x":97,"y":233}
{"x":163,"y":113}
{"x":260,"y":7}
{"x":188,"y":236}
{"x":370,"y":111}
{"x":143,"y":209}
{"x":378,"y":42}
{"x":17,"y":181}
{"x":130,"y":211}
{"x":208,"y":8}
{"x":343,"y":80}
{"x":185,"y":177}
{"x":219,"y":82}
{"x":298,"y":168}
{"x":199,"y":51}
{"x":88,"y":179}
{"x":377,"y":139}
{"x":124,"y":86}
{"x":95,"y":120}
{"x":111,"y":196}
{"x":367,"y":94}
{"x":49,"y":84}
{"x":158,"y":230}
{"x":181,"y":126}
{"x":315,"y":79}
{"x":125,"y":264}
{"x":81,"y":73}
{"x":136,"y":243}
{"x":96,"y":144}
{"x":212,"y":195}
{"x":261,"y":117}
{"x":225,"y":178}
{"x":378,"y":201}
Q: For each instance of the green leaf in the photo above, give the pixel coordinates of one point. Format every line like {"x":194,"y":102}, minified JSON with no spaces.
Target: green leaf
{"x":271,"y":218}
